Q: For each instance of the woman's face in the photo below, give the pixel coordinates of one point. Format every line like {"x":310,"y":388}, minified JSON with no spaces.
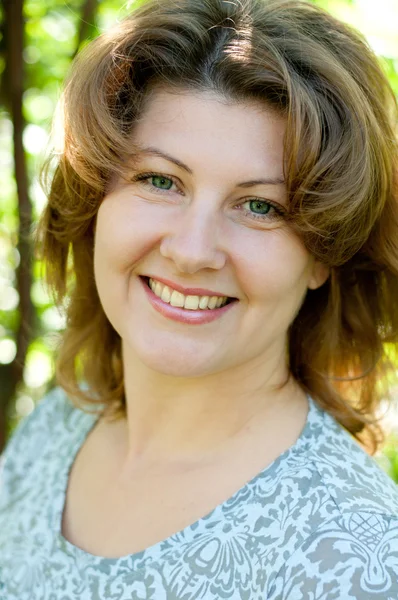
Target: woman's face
{"x":209,"y":214}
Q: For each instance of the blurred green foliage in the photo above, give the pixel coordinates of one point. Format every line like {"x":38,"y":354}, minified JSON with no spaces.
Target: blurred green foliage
{"x":52,"y":32}
{"x":389,"y":458}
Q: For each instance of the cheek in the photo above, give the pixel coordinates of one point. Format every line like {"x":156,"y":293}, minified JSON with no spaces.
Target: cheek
{"x":275,"y":266}
{"x":123,"y":236}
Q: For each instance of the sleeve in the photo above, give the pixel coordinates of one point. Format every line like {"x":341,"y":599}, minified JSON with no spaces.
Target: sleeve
{"x":354,"y":557}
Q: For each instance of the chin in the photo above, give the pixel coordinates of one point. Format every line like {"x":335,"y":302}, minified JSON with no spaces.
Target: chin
{"x":176,"y":367}
{"x":174,"y":360}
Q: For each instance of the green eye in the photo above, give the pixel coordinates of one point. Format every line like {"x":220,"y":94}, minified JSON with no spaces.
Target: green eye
{"x":262,"y":207}
{"x":162,"y":183}
{"x":155,"y":182}
{"x":262,"y":210}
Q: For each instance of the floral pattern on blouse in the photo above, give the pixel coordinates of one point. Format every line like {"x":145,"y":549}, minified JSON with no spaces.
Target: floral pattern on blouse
{"x":319,"y":523}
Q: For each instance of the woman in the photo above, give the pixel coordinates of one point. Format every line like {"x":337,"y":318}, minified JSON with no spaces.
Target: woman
{"x":228,"y":191}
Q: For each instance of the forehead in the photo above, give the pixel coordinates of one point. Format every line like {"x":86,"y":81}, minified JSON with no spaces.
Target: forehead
{"x":204,"y":126}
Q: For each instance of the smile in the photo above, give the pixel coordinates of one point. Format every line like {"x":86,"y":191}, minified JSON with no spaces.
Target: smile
{"x":189,"y":308}
{"x":175,"y":298}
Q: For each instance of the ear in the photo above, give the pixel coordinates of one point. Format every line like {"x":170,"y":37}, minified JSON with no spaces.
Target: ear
{"x":320,"y":273}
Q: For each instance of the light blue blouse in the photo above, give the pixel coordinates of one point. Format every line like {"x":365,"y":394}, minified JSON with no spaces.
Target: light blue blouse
{"x":319,"y":523}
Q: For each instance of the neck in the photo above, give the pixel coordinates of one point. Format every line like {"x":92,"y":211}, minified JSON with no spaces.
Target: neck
{"x":195,"y":419}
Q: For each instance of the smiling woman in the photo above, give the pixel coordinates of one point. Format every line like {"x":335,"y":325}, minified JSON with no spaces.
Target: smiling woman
{"x":222,"y":230}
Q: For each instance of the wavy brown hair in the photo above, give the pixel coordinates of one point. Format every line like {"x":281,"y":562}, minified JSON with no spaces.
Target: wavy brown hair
{"x":341,"y":172}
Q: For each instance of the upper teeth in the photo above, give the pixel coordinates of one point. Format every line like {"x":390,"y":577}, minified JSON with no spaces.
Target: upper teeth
{"x":167,"y":294}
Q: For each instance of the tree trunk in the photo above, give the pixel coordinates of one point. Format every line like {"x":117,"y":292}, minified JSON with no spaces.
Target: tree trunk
{"x":11,"y":374}
{"x":86,"y":22}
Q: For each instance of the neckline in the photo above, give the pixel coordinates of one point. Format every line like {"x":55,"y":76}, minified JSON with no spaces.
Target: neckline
{"x":154,"y":552}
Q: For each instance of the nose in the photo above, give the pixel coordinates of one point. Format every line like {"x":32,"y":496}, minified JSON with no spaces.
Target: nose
{"x":192,"y":241}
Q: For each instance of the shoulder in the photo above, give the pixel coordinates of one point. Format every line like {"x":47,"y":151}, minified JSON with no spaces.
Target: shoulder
{"x":348,"y":542}
{"x":352,"y":478}
{"x":44,"y":417}
{"x":328,"y":469}
{"x":48,"y":425}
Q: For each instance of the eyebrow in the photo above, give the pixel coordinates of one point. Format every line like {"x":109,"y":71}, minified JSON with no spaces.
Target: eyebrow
{"x":156,"y":152}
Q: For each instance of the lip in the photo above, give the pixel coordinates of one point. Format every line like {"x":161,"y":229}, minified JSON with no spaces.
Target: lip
{"x":187,"y":291}
{"x":190,"y":317}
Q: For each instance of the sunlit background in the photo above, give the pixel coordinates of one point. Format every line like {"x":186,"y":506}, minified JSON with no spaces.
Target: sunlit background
{"x":53,"y":30}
